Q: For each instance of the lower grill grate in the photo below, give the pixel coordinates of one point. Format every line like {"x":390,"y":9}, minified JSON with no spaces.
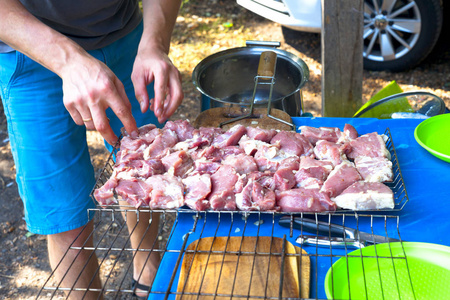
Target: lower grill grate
{"x":240,"y":255}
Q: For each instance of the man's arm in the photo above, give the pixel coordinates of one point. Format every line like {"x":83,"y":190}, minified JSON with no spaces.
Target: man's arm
{"x":89,"y":86}
{"x":152,"y":62}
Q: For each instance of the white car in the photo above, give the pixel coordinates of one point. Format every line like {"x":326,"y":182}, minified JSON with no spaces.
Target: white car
{"x":398,"y":34}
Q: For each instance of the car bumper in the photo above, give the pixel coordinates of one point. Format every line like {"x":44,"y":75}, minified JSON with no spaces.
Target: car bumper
{"x":279,"y":12}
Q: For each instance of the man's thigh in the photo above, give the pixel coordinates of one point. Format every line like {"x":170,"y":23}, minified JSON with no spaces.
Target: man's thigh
{"x":53,"y":168}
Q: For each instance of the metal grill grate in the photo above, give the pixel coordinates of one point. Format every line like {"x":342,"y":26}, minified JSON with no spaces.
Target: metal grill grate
{"x":397,"y":185}
{"x":179,"y":230}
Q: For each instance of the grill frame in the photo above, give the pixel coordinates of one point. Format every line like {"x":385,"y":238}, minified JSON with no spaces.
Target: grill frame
{"x":172,"y":247}
{"x":397,"y":185}
{"x":114,"y":250}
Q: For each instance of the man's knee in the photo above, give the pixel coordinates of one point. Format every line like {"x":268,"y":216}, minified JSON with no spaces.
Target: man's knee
{"x":77,"y":237}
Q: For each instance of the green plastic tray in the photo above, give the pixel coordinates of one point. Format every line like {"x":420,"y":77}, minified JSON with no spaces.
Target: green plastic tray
{"x":433,"y":134}
{"x":405,"y":270}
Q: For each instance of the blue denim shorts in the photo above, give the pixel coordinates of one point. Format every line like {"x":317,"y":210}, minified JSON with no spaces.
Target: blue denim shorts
{"x":53,"y":167}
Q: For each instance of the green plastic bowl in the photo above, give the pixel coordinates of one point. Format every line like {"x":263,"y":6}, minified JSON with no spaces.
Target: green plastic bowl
{"x":433,"y":134}
{"x":405,"y":270}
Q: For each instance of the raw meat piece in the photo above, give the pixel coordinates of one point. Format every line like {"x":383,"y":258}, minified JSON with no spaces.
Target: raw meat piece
{"x":217,"y":154}
{"x":131,"y":189}
{"x":292,"y":162}
{"x":231,"y":150}
{"x":314,"y":134}
{"x":242,"y":163}
{"x":244,"y":196}
{"x":161,"y":145}
{"x":167,"y":192}
{"x":348,"y":134}
{"x":371,"y":144}
{"x":128,"y":143}
{"x":134,"y":163}
{"x":182,"y":128}
{"x":366,"y":196}
{"x":105,"y":194}
{"x":263,"y":198}
{"x":250,"y":146}
{"x":325,"y":150}
{"x":259,"y":134}
{"x":125,"y":184}
{"x":293,"y":143}
{"x":340,"y":178}
{"x":206,"y":166}
{"x":304,"y":200}
{"x":148,"y":134}
{"x":178,"y":163}
{"x":231,"y":137}
{"x":319,"y":169}
{"x":255,"y":197}
{"x":197,"y":189}
{"x":124,"y":156}
{"x":145,"y":137}
{"x":241,"y":183}
{"x":135,"y":191}
{"x":264,"y":178}
{"x":284,"y":177}
{"x":269,"y":157}
{"x":195,"y":142}
{"x":222,"y":195}
{"x":142,"y":168}
{"x":208,"y":133}
{"x":304,"y":178}
{"x":145,"y":129}
{"x":210,"y":153}
{"x":374,"y":169}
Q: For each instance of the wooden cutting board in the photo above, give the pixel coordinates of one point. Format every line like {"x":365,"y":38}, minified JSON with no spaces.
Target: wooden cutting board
{"x":211,"y":270}
{"x":213,"y":117}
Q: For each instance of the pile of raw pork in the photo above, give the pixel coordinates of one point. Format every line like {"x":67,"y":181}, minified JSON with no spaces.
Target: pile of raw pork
{"x":246,"y":168}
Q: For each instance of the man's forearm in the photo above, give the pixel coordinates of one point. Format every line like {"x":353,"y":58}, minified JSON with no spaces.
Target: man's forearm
{"x":159,"y":20}
{"x":25,"y":33}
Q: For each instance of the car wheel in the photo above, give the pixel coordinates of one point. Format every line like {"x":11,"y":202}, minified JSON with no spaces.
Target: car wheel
{"x":399,"y":34}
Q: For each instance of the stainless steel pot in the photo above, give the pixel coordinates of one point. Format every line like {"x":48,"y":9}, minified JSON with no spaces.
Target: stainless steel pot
{"x":228,"y":78}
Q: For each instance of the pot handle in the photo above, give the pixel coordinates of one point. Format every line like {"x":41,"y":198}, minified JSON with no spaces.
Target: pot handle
{"x":266,"y":67}
{"x":263,"y":44}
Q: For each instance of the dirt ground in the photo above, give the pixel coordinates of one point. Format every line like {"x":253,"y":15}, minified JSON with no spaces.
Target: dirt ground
{"x":204,"y":27}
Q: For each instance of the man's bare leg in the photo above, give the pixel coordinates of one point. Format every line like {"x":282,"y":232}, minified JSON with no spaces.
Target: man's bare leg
{"x":143,"y":235}
{"x":58,"y":244}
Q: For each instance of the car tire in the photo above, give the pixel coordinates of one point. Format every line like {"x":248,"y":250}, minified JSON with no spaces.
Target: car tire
{"x":431,"y":12}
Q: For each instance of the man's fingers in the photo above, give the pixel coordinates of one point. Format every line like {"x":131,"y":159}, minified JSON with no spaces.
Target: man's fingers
{"x":122,"y":108}
{"x":140,"y":90}
{"x":101,"y":123}
{"x":76,"y":117}
{"x":81,"y":117}
{"x":174,"y":98}
{"x":160,"y":87}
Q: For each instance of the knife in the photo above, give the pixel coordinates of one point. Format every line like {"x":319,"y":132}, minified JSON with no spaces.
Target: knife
{"x":332,"y":234}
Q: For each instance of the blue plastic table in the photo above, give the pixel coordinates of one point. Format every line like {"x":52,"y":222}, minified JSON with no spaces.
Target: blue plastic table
{"x":424,"y":218}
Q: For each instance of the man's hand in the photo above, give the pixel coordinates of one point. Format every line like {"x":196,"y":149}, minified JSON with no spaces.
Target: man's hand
{"x":152,"y":64}
{"x":90,"y":87}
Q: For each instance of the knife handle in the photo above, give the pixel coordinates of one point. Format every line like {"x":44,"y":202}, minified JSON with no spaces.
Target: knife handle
{"x":334,"y":242}
{"x":266,"y":67}
{"x":318,"y":227}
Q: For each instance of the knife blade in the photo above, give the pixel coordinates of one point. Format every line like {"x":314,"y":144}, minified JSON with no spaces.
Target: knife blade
{"x":332,"y":234}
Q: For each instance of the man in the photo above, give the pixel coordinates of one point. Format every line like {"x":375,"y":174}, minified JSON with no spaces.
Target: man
{"x":70,"y":65}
